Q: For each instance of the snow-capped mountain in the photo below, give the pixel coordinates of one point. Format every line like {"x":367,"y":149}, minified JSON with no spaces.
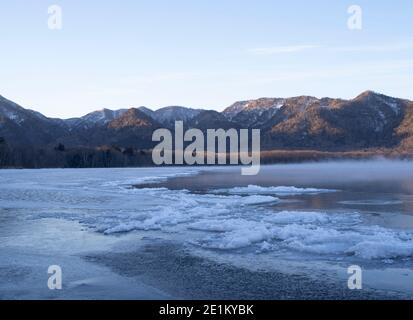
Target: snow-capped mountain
{"x":96,"y":118}
{"x":253,"y":106}
{"x":21,"y":126}
{"x":254,"y":112}
{"x":166,"y":116}
{"x":13,"y":112}
{"x":369,"y":120}
{"x":169,"y":115}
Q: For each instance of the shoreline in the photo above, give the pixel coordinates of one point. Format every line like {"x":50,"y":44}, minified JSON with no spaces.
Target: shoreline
{"x":267,"y":157}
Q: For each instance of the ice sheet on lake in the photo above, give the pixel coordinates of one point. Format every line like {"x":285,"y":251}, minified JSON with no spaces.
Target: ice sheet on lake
{"x":237,"y":219}
{"x":280,"y":190}
{"x":371,"y":202}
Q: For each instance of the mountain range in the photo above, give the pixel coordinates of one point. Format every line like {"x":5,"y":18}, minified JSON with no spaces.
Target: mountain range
{"x":371,"y":120}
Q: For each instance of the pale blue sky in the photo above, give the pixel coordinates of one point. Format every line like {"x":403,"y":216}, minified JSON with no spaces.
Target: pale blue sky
{"x":207,"y":54}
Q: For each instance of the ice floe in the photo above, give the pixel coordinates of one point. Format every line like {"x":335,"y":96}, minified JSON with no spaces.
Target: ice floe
{"x":280,"y":190}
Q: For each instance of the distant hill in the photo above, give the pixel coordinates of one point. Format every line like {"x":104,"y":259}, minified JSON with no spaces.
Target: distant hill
{"x":369,"y":121}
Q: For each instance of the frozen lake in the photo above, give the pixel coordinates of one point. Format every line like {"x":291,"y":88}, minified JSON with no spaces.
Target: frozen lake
{"x":160,"y":233}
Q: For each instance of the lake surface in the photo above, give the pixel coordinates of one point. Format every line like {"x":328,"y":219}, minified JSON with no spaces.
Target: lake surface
{"x":290,"y":232}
